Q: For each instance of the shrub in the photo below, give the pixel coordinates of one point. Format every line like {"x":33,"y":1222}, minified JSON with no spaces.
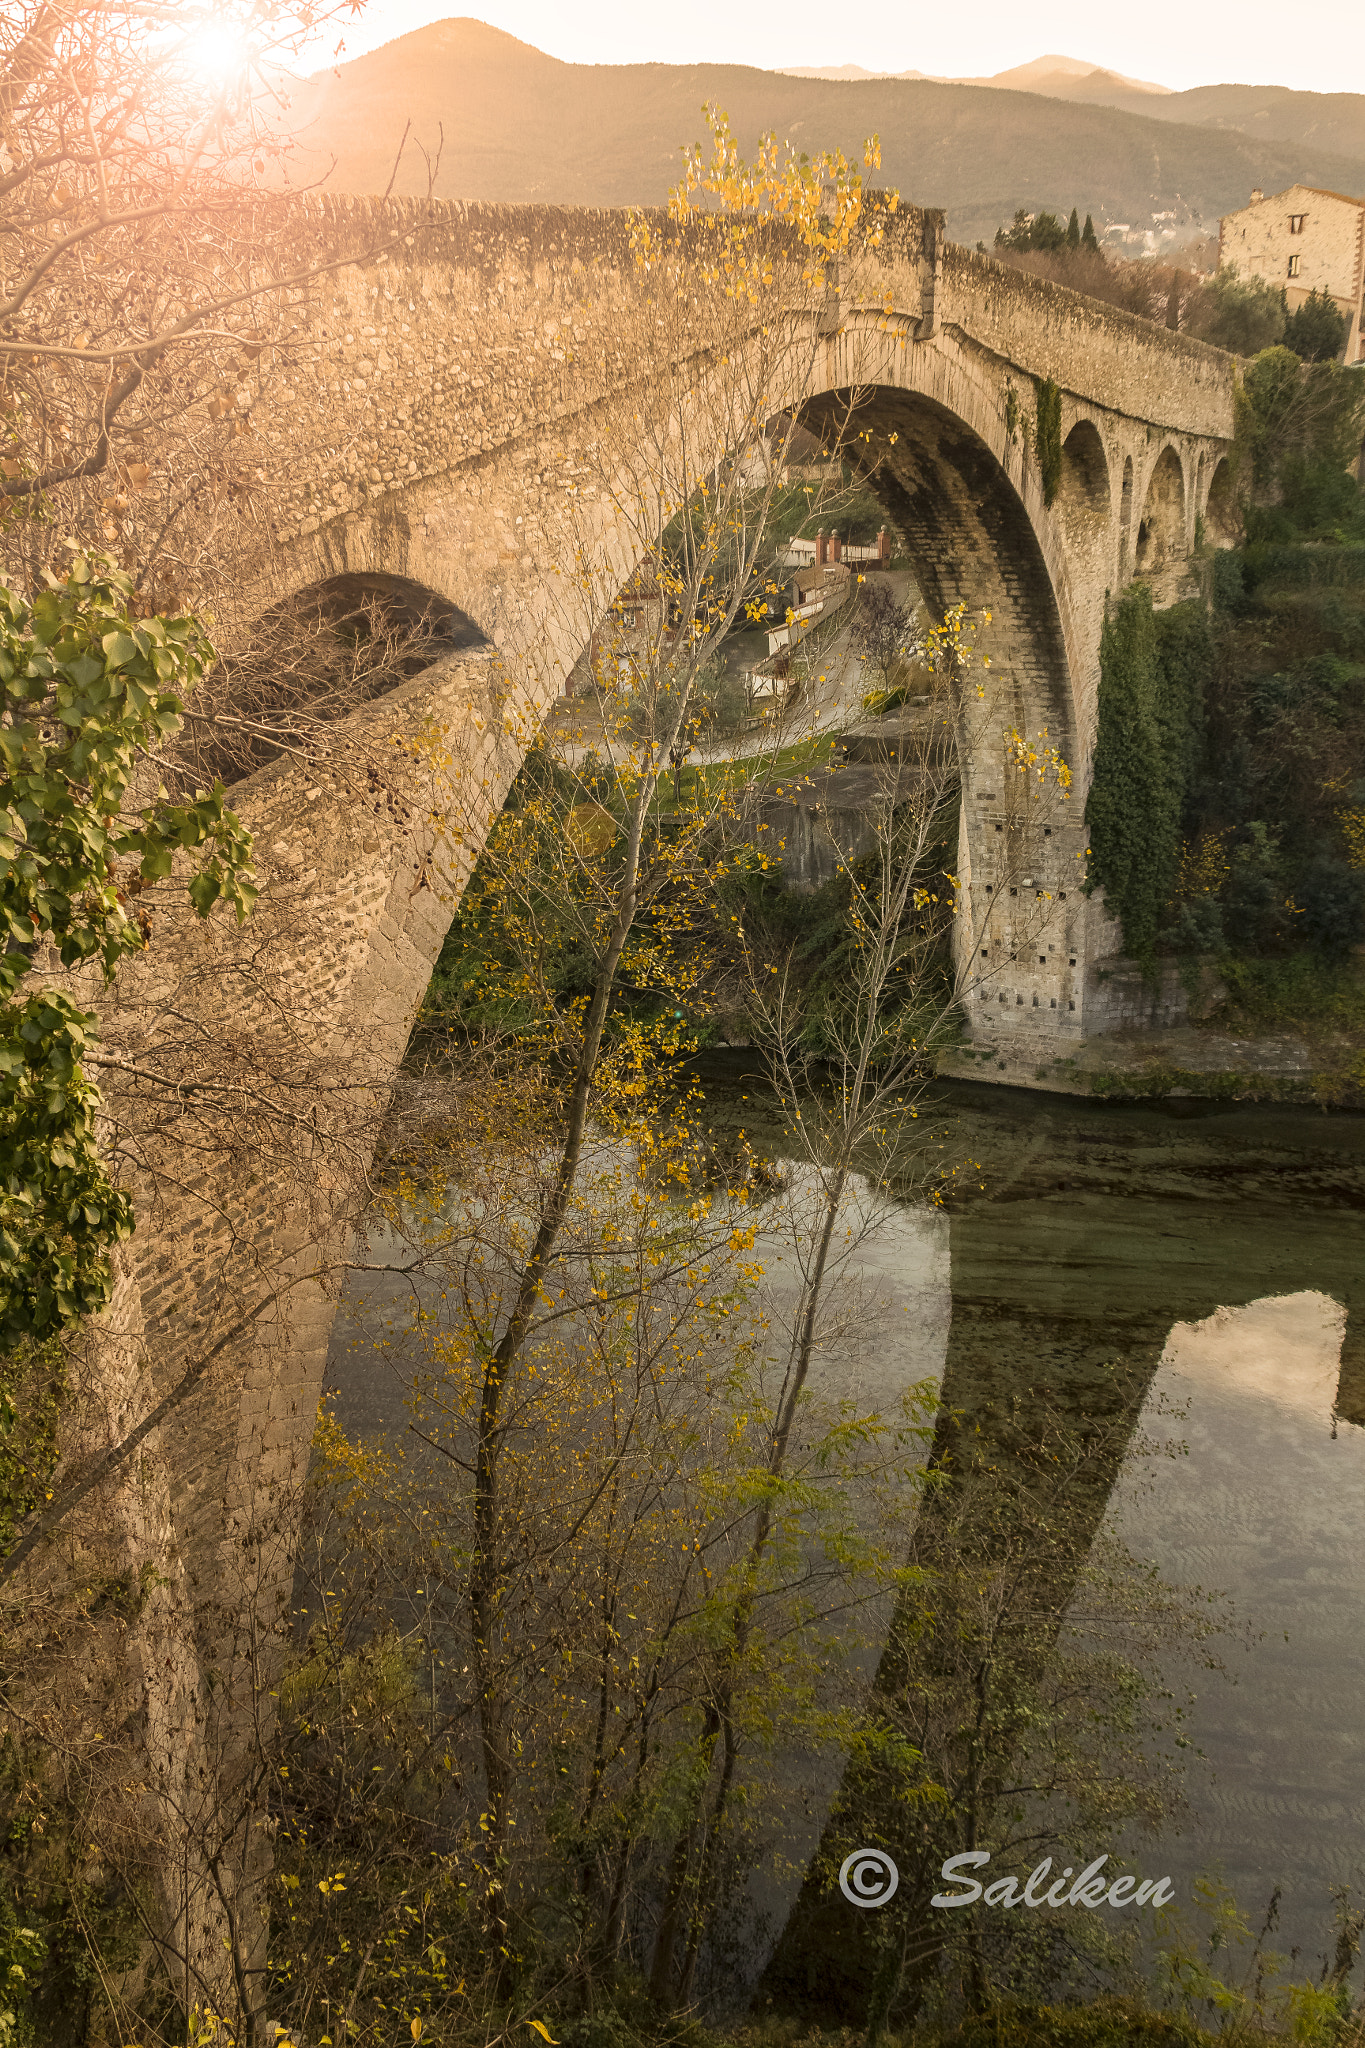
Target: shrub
{"x":1331,"y":898}
{"x":1109,"y":2023}
{"x":1243,"y":315}
{"x":1316,"y":331}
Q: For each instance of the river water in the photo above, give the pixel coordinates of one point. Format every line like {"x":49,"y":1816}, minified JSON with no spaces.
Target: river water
{"x":1216,"y":1255}
{"x":1195,"y":1275}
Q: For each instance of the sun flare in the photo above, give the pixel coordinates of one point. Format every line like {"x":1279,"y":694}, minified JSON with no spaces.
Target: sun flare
{"x":217,"y":53}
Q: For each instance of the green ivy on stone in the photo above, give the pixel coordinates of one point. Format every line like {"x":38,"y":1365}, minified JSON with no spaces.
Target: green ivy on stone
{"x":1048,"y":436}
{"x":89,"y":691}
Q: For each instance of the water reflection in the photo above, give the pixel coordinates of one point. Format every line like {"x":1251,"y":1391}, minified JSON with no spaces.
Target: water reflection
{"x":1286,"y":1349}
{"x":1105,"y":1235}
{"x":1269,"y":1504}
{"x":1106,"y":1262}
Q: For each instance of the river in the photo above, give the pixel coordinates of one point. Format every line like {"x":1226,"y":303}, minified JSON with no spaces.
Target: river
{"x":1195,"y":1274}
{"x":1216,"y":1253}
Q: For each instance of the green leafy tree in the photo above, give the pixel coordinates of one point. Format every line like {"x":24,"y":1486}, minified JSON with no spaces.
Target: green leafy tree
{"x":1316,"y":331}
{"x":1141,"y":767}
{"x":1243,"y":315}
{"x":1294,"y":421}
{"x":1035,"y":231}
{"x":89,"y":697}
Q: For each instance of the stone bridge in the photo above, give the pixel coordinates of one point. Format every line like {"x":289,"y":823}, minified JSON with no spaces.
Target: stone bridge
{"x":424,"y":428}
{"x":426,"y":434}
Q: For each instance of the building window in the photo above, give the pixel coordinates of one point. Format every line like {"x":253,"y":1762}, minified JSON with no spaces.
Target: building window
{"x":1296,"y":221}
{"x":1294,"y":263}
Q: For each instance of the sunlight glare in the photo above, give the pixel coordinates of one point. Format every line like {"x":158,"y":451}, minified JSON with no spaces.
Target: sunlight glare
{"x":217,"y":53}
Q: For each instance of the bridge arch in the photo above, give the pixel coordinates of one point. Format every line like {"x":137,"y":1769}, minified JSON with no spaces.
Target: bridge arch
{"x":1125,"y":549}
{"x":941,"y":437}
{"x":311,"y":660}
{"x":1221,"y":517}
{"x":950,"y":460}
{"x":1084,"y":494}
{"x":1085,"y":504}
{"x":1161,"y":527}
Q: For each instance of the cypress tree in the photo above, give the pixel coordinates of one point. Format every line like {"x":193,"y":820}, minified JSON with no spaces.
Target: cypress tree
{"x":1136,"y":796}
{"x":1173,"y":302}
{"x":1088,"y":238}
{"x":1153,"y":669}
{"x":1184,"y":650}
{"x":1073,"y":230}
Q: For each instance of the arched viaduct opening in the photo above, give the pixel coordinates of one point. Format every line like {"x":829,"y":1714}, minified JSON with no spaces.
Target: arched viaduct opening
{"x":1222,"y":519}
{"x":972,"y":541}
{"x":1083,"y":504}
{"x":315,"y":657}
{"x":1161,"y":529}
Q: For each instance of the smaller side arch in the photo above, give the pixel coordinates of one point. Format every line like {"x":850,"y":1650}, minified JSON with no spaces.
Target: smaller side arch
{"x":313,"y":658}
{"x":1161,"y":529}
{"x":1083,"y":498}
{"x":1222,"y":520}
{"x":1125,"y":520}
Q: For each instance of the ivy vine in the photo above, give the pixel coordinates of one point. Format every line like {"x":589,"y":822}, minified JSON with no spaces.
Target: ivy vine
{"x":1047,"y":435}
{"x":88,"y":691}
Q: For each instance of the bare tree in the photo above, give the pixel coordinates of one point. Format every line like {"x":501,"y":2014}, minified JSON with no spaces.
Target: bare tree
{"x":144,"y":288}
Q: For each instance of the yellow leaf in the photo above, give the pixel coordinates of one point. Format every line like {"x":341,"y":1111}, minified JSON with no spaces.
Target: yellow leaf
{"x":543,"y":2031}
{"x":590,"y":828}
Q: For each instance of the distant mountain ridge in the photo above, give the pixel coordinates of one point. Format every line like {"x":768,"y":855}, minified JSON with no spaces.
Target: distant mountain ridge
{"x":514,"y":124}
{"x":1057,"y":77}
{"x":1332,"y":121}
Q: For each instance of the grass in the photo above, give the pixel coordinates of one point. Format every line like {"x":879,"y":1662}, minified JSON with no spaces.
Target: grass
{"x":709,"y":778}
{"x":1343,"y":1089}
{"x":1300,"y":993}
{"x":1105,"y":2023}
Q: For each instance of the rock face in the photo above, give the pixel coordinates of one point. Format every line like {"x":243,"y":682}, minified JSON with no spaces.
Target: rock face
{"x":434,"y":423}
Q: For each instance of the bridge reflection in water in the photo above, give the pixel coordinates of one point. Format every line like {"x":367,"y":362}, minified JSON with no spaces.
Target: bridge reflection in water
{"x":1144,"y":1273}
{"x":1152,"y":1273}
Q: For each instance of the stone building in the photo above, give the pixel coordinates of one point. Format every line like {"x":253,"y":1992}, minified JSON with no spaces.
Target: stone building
{"x":618,"y":651}
{"x":1303,"y":240}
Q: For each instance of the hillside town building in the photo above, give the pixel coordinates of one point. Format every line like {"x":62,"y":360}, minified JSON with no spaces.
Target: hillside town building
{"x":1302,"y":240}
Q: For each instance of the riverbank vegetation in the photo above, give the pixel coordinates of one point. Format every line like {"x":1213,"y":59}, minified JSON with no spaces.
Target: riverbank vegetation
{"x":1228,"y":806}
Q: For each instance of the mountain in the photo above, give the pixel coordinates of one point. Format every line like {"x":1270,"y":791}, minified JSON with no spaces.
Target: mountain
{"x":1060,"y":78}
{"x":514,"y":124}
{"x":1065,"y":78}
{"x":1331,"y":121}
{"x":846,"y":72}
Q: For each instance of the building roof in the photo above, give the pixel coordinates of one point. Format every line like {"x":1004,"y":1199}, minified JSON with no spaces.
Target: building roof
{"x":1324,"y":193}
{"x":1320,"y":191}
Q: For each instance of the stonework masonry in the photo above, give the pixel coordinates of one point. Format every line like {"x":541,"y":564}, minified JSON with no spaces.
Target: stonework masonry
{"x":433,"y":420}
{"x":427,"y":429}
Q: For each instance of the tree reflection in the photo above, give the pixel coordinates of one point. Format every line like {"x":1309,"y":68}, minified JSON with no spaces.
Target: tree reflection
{"x":1017,"y":1704}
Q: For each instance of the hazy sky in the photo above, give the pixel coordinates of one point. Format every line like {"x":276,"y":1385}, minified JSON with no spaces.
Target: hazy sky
{"x":1315,"y":44}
